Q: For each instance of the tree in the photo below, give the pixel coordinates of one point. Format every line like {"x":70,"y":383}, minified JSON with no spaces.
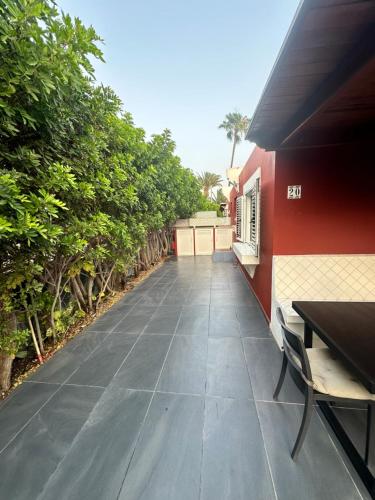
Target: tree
{"x":208,"y":181}
{"x":236,"y":126}
{"x":85,"y":199}
{"x":220,"y":197}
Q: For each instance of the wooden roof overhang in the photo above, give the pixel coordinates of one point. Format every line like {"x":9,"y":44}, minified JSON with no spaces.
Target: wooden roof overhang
{"x":321,"y":90}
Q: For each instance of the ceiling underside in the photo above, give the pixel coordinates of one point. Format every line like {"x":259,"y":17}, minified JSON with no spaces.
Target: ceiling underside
{"x":322,"y":88}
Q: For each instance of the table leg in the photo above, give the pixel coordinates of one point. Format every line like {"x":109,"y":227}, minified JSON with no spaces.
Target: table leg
{"x":308,"y":335}
{"x":370,"y":436}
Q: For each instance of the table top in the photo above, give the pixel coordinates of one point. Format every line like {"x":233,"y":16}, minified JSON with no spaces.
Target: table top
{"x":348,"y":328}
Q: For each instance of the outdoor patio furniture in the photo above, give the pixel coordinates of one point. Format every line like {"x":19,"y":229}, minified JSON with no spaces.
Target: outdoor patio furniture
{"x":322,"y":377}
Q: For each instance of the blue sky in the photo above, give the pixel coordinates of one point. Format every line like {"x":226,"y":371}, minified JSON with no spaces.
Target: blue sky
{"x":183,"y":65}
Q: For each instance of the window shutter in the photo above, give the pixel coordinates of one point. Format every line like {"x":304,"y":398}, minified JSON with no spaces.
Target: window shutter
{"x":239,"y":217}
{"x":254,"y":216}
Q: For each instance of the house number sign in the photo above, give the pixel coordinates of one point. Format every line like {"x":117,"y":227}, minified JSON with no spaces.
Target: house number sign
{"x":294,"y":192}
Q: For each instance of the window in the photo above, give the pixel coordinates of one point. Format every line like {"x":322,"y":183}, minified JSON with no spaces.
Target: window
{"x":252,"y":198}
{"x":239,"y":203}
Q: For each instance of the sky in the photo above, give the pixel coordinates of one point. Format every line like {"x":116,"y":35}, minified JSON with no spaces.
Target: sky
{"x":185,"y":64}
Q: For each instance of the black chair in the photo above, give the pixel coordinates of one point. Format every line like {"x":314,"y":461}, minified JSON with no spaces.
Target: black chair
{"x":321,"y":377}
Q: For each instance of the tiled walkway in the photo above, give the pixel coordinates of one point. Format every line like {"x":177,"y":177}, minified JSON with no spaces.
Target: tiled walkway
{"x":168,"y":397}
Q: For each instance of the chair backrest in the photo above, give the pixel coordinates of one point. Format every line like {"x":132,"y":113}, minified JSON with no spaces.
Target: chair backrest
{"x":295,"y":351}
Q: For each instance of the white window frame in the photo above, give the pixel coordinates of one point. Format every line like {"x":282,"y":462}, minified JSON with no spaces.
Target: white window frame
{"x":251,"y":220}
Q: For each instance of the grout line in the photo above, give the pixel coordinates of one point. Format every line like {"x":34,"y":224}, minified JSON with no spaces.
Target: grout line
{"x":81,"y":385}
{"x":278,"y":402}
{"x":148,"y":409}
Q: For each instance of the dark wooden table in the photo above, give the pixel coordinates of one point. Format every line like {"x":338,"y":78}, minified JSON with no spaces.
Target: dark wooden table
{"x":348,"y":328}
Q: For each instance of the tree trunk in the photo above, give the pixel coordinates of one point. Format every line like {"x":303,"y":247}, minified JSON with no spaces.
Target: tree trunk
{"x":77,"y":292}
{"x":39,"y":333}
{"x":6,"y":361}
{"x":233,"y":150}
{"x":33,"y":336}
{"x":53,"y":306}
{"x":90,"y":285}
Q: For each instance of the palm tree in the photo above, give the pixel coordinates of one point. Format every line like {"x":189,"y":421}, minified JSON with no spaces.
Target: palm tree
{"x":208,"y":181}
{"x":236,"y":126}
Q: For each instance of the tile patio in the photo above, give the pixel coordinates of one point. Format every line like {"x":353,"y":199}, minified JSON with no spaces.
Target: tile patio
{"x":169,"y":396}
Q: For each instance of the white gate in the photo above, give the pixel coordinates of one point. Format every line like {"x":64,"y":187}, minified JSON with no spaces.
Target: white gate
{"x":185,"y":241}
{"x":223,"y":238}
{"x":204,"y":241}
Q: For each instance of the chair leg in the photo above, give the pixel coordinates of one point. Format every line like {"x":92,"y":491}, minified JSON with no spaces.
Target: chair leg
{"x":282,"y":376}
{"x":307,"y":412}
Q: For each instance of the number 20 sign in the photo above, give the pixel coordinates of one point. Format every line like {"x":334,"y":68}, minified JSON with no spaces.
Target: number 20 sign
{"x":294,"y":192}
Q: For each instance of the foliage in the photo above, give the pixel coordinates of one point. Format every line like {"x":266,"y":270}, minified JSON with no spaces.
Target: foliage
{"x":208,"y":181}
{"x":206,"y":205}
{"x":236,"y":126}
{"x":12,"y":342}
{"x":85,"y":199}
{"x":220,"y":197}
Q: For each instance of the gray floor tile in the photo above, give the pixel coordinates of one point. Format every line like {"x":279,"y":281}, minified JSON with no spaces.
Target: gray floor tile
{"x":227,"y":374}
{"x":252,"y":322}
{"x":176,"y":297}
{"x":229,"y":298}
{"x":107,"y":322}
{"x":193,"y":321}
{"x":224,"y":327}
{"x":95,"y":466}
{"x":84,"y":343}
{"x":264,"y":363}
{"x":122,"y":308}
{"x":154,"y":296}
{"x":185,"y":367}
{"x":223,"y":312}
{"x":164,"y":320}
{"x":131,"y":298}
{"x":136,"y":321}
{"x":101,"y":366}
{"x":319,"y":472}
{"x":67,"y":360}
{"x":16,"y":411}
{"x":234,"y":459}
{"x":198,"y":297}
{"x":167,"y":460}
{"x":142,"y":368}
{"x":33,"y":456}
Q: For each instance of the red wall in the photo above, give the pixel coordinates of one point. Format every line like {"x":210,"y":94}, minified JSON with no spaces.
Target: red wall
{"x":336,"y":213}
{"x":262,"y":281}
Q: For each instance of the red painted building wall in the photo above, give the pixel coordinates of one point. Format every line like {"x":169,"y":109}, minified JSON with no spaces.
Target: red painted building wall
{"x":336,"y":213}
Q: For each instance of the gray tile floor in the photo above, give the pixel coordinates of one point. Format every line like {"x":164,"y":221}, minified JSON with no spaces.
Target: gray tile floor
{"x":168,"y":396}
